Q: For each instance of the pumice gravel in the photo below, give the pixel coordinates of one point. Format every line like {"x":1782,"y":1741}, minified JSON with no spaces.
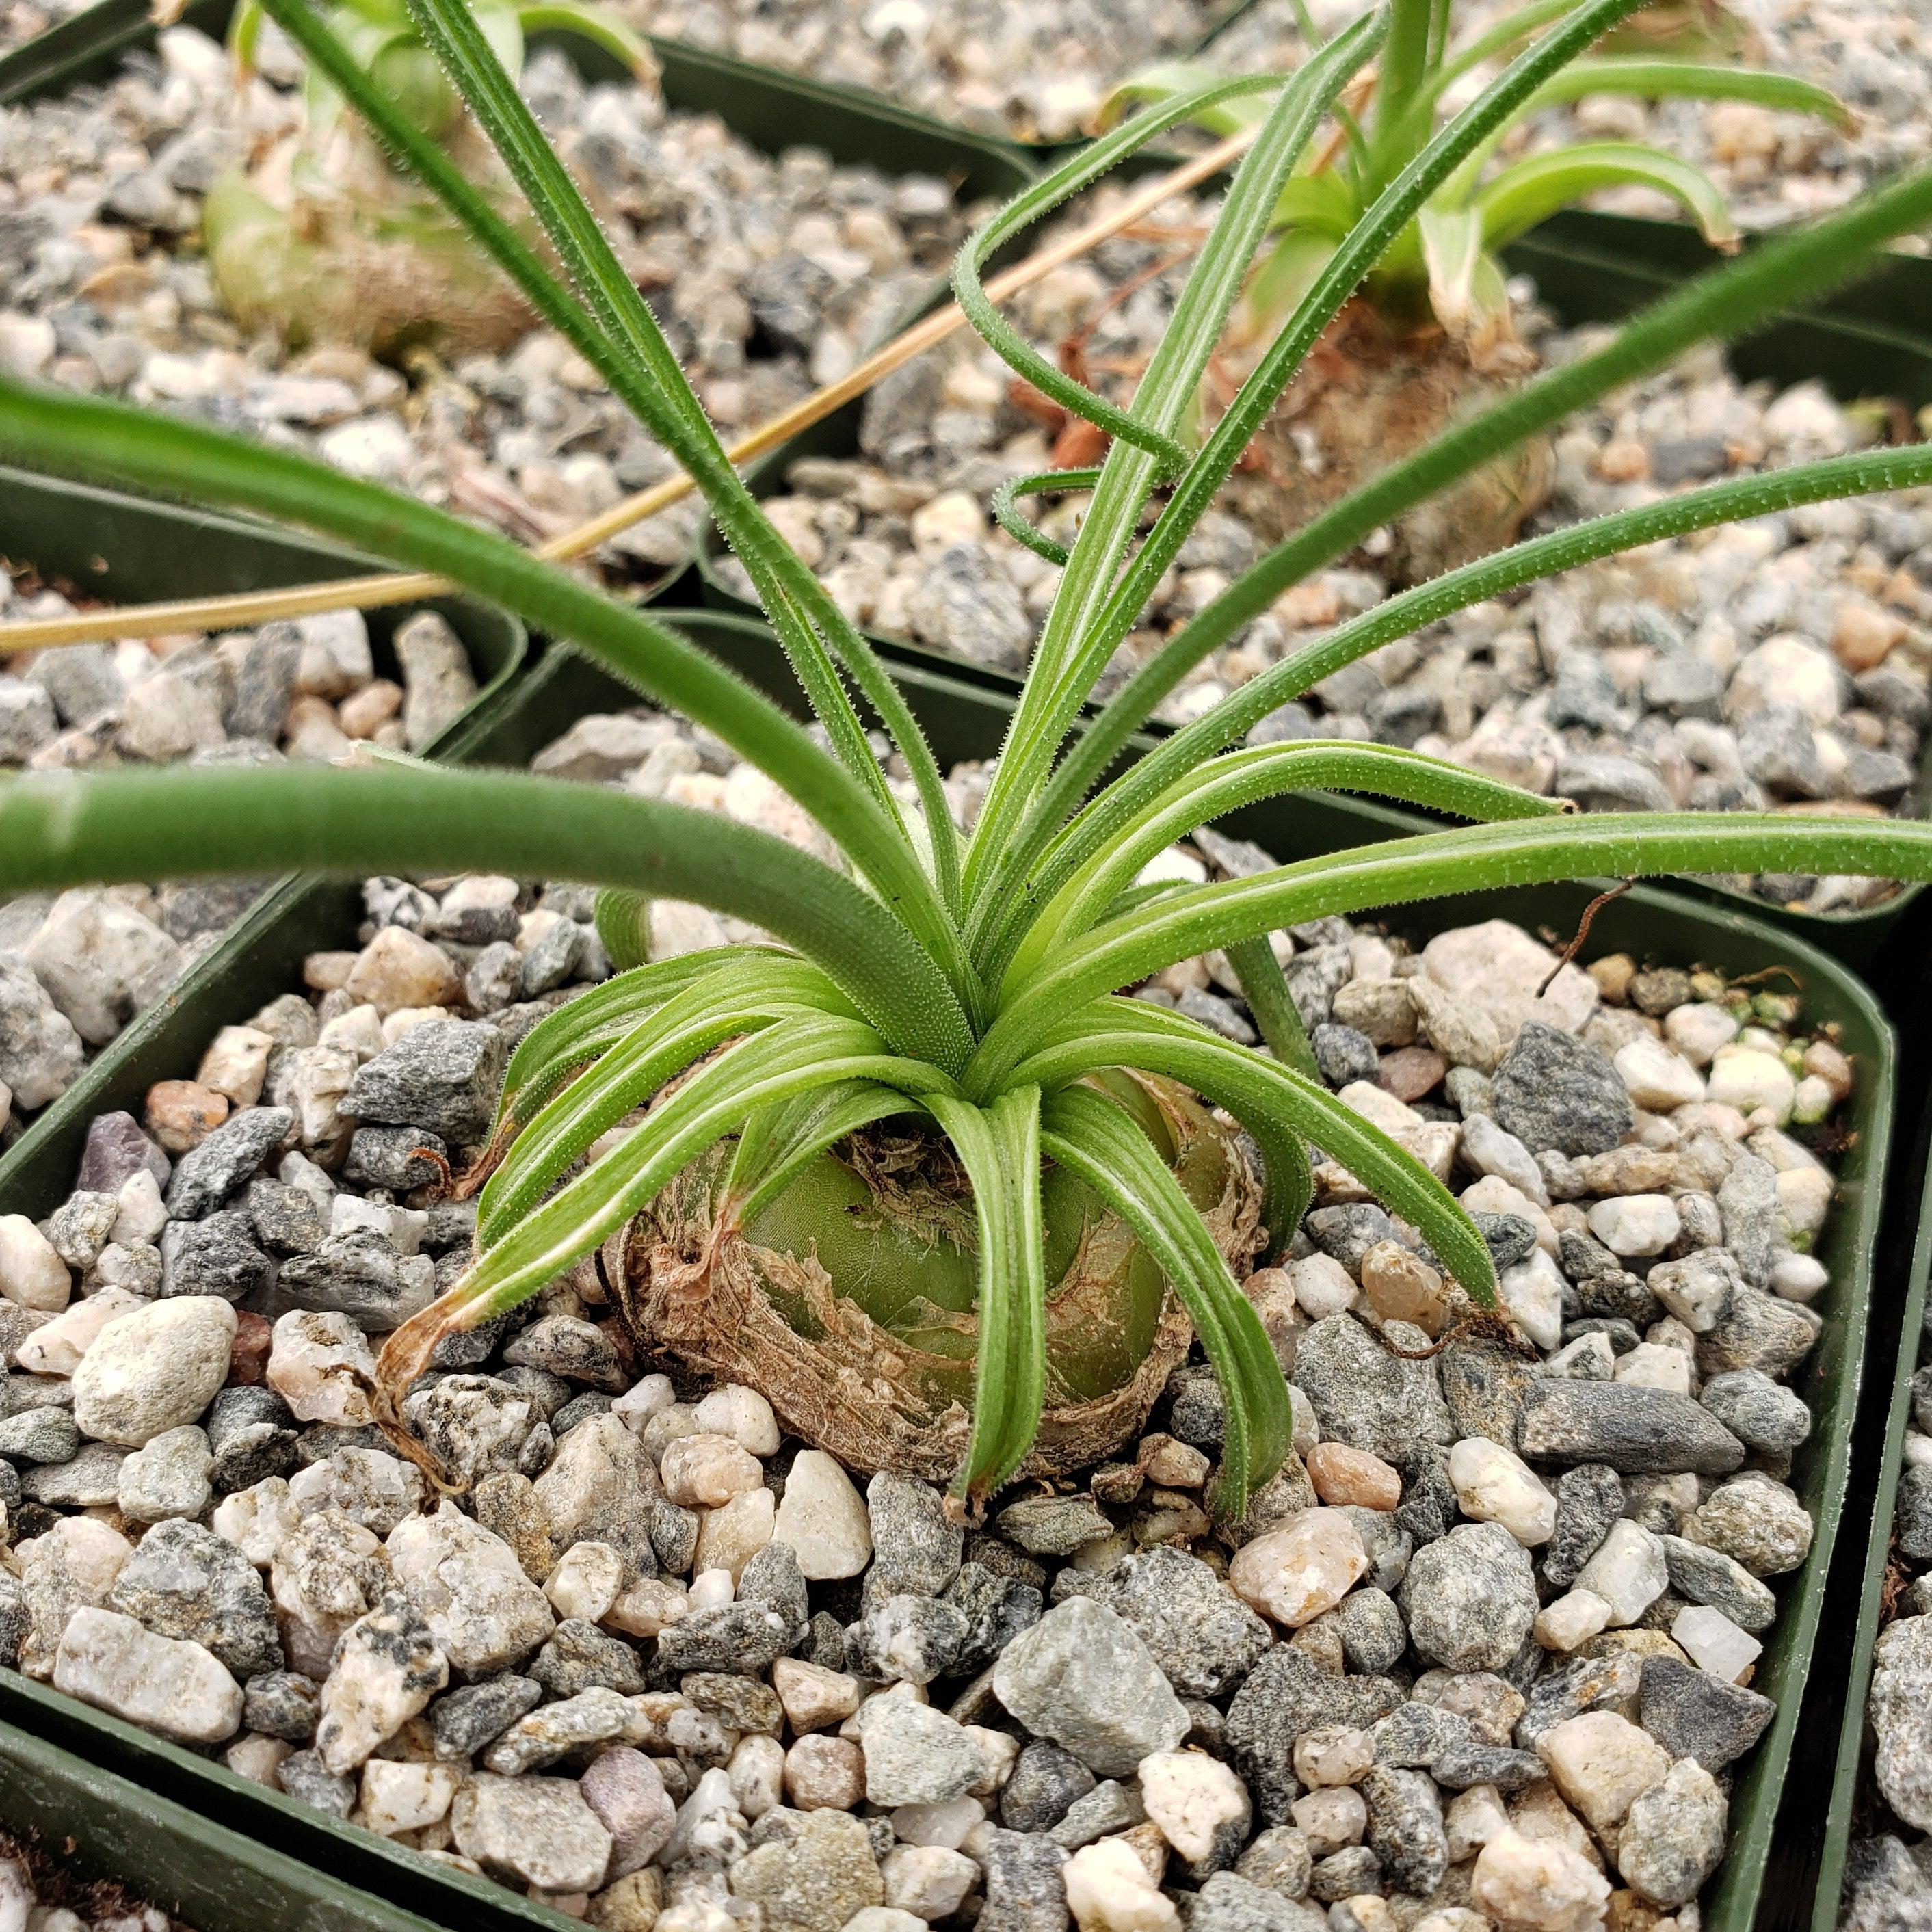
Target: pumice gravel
{"x":1482,"y":1652}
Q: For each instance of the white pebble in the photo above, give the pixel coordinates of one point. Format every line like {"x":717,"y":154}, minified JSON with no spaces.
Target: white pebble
{"x":1494,"y":1485}
{"x":1714,"y":1643}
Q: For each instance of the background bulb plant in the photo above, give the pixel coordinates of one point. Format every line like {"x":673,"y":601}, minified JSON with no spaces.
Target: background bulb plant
{"x":1429,"y":333}
{"x":936,"y":1034}
{"x":320,"y":240}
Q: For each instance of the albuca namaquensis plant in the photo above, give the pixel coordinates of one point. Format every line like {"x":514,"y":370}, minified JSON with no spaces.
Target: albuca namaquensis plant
{"x":1430,"y":334}
{"x":320,"y":240}
{"x":915,"y":1166}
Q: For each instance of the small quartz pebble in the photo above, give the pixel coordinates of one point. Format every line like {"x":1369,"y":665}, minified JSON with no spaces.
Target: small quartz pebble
{"x":1493,"y":1485}
{"x":1341,"y":1475}
{"x":1305,"y":1566}
{"x":1713,"y":1642}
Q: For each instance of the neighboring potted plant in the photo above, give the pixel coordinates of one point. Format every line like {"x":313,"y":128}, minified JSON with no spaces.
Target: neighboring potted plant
{"x":320,"y":239}
{"x":1430,"y":337}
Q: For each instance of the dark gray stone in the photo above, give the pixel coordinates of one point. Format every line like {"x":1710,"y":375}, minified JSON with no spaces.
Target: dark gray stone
{"x":914,"y":1547}
{"x":1343,"y":1055}
{"x":217,"y":1255}
{"x":1694,"y":1714}
{"x":282,"y":1704}
{"x":1760,"y":1413}
{"x":1347,"y":1233}
{"x":996,"y":1608}
{"x":1405,"y":1829}
{"x":1556,"y":1094}
{"x":1470,"y":1598}
{"x":1045,"y":1784}
{"x":1635,"y":1429}
{"x":1232,"y":1902}
{"x":184,"y":1582}
{"x":360,"y":1275}
{"x":1287,"y":1692}
{"x":1202,"y":1636}
{"x":771,"y":1577}
{"x":290,"y":1220}
{"x":1053,"y":1526}
{"x":443,"y":1075}
{"x":1589,"y":1499}
{"x":746,"y":1637}
{"x":577,"y":1656}
{"x":303,"y":1775}
{"x":398,"y":1159}
{"x":905,"y":1639}
{"x":208,"y":1175}
{"x":1758,"y":1331}
{"x":465,"y":1721}
{"x":1024,"y":1889}
{"x":1577,"y":1684}
{"x":1366,"y":1396}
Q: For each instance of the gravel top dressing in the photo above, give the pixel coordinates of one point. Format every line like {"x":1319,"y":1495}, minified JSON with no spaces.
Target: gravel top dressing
{"x":1782,"y":661}
{"x":1482,"y":1650}
{"x":771,"y":276}
{"x":1774,"y":167}
{"x":774,"y":275}
{"x":75,"y":968}
{"x":1007,"y":66}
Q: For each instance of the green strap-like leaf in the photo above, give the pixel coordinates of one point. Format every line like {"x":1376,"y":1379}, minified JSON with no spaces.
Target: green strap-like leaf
{"x":594,"y":24}
{"x":998,"y":1145}
{"x":62,"y":829}
{"x":1238,"y":778}
{"x":644,"y":374}
{"x":1001,"y":851}
{"x":1041,"y":483}
{"x":92,"y":438}
{"x":779,"y":1143}
{"x":563,"y":1043}
{"x":1128,"y":1032}
{"x":1438,"y":865}
{"x":750,"y":994}
{"x":1531,"y":190}
{"x":1862,"y":472}
{"x":1264,"y":987}
{"x":1785,"y":273}
{"x":761,"y":1070}
{"x":1664,"y":79}
{"x":1164,"y":402}
{"x":1093,"y":1139}
{"x":1033,"y":204}
{"x":623,"y":921}
{"x":805,"y":616}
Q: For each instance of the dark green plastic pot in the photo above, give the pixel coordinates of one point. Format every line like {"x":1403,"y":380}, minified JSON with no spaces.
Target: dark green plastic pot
{"x":1596,"y":267}
{"x":964,"y":720}
{"x":126,"y":549}
{"x":198,"y":1871}
{"x":1860,"y":1588}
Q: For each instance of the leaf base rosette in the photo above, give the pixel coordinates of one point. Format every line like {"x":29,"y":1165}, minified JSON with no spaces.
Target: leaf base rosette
{"x":849,"y":1302}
